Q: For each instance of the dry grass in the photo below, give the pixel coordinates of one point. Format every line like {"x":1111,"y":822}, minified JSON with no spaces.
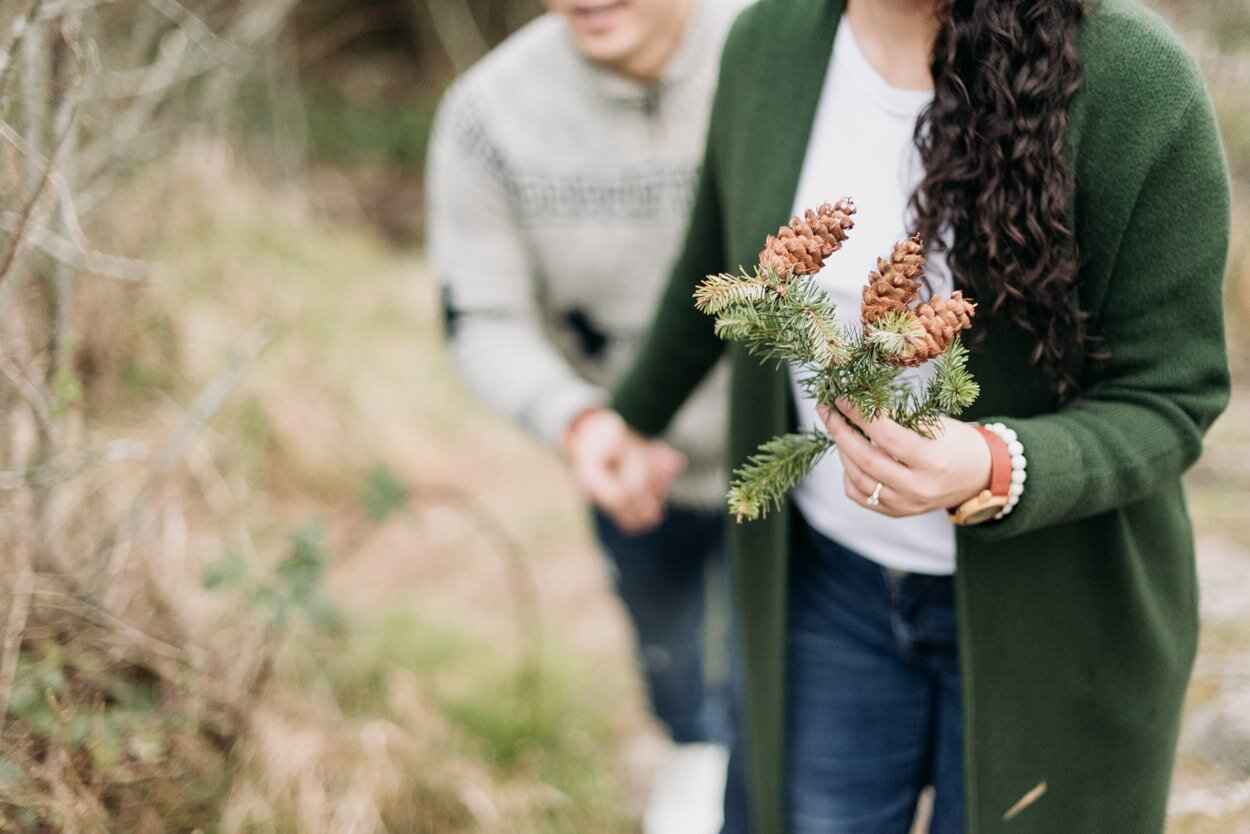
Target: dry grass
{"x":341,"y":675}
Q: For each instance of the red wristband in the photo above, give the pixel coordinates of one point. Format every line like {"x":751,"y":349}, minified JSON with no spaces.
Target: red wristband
{"x":1000,"y":461}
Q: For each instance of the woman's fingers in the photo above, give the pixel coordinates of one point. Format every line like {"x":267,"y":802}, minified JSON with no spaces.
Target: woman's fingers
{"x":860,"y":488}
{"x":874,"y":462}
{"x":857,"y":480}
{"x":899,"y":443}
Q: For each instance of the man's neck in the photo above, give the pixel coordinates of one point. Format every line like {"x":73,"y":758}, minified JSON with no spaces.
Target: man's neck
{"x":649,"y":63}
{"x":896,"y":36}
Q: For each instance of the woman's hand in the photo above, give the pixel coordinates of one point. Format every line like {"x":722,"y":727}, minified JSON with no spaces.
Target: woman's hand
{"x":916,"y":474}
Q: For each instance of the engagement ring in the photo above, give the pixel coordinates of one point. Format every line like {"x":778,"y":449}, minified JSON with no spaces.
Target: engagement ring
{"x":875,"y":498}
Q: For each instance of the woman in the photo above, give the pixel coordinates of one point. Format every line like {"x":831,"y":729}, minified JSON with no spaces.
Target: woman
{"x":1062,"y":159}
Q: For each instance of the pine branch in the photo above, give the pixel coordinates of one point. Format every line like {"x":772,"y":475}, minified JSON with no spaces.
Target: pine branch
{"x":788,"y":318}
{"x":720,"y":292}
{"x":774,"y":470}
{"x":956,"y":388}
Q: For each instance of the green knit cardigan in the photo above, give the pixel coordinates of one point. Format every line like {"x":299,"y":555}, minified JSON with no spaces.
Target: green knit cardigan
{"x":1078,"y":612}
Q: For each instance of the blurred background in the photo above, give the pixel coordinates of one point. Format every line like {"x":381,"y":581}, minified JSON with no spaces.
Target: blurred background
{"x":264,"y":564}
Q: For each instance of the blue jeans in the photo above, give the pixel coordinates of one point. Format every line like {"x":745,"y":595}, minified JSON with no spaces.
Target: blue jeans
{"x":669,"y":579}
{"x":873,"y":703}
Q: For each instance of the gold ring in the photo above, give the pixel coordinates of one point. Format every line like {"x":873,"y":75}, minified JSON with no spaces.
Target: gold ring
{"x":875,"y":498}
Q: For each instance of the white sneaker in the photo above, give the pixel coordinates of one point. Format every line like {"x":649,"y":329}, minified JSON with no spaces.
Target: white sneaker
{"x":688,"y":791}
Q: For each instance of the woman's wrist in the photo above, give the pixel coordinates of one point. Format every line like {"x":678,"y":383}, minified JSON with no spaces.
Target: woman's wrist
{"x":1001,"y":490}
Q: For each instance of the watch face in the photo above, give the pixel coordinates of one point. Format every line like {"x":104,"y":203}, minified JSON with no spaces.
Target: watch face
{"x":983,"y":513}
{"x":990,"y":505}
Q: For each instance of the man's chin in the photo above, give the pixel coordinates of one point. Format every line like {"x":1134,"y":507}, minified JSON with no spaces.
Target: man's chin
{"x":611,"y":50}
{"x":598,"y":19}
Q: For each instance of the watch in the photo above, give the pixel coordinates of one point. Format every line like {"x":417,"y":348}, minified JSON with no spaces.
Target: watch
{"x":988,"y":502}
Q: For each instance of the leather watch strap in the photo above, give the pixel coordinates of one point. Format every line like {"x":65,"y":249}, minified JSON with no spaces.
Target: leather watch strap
{"x":1000,"y":461}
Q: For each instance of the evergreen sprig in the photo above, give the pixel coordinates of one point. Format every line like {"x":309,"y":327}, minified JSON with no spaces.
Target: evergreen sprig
{"x":791,"y":319}
{"x":770,"y":473}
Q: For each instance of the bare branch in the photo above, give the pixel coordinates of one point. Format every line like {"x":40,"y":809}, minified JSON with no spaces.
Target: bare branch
{"x":209,"y":401}
{"x":30,"y":392}
{"x":64,"y":123}
{"x":14,"y":37}
{"x":19,"y":609}
{"x":102,"y":617}
{"x":48,"y":473}
{"x":223,"y":51}
{"x":90,"y":261}
{"x":148,"y":86}
{"x":63,"y":8}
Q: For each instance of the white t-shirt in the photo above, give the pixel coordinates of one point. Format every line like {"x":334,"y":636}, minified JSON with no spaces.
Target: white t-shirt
{"x":862,"y":147}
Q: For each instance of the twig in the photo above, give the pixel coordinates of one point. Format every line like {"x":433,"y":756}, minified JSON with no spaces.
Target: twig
{"x":198,"y":31}
{"x":210,"y":399}
{"x":248,"y":32}
{"x":29,"y":392}
{"x":16,"y":32}
{"x":83,"y":609}
{"x":64,"y":124}
{"x":90,"y":261}
{"x":19,"y":609}
{"x":48,"y":473}
{"x":64,"y":8}
{"x":36,"y":161}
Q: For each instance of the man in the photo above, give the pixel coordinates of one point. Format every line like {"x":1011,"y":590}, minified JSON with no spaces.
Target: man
{"x":560,"y":176}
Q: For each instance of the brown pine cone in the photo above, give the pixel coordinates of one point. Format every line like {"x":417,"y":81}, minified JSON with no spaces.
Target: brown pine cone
{"x":894,"y":284}
{"x":801,"y":247}
{"x":942,"y":319}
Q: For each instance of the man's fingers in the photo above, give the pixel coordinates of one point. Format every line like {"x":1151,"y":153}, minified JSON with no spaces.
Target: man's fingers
{"x":624,"y":474}
{"x":664,"y":464}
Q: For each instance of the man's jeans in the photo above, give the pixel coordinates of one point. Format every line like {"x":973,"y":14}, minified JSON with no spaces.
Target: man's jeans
{"x":873,"y":701}
{"x":669,"y":579}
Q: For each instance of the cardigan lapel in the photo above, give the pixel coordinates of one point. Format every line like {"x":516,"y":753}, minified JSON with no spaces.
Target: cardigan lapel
{"x":790,"y":83}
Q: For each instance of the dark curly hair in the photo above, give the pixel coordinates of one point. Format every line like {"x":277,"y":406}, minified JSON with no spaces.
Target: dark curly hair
{"x":997,"y":190}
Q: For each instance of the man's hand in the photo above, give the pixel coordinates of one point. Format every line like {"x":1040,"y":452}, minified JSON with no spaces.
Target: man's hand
{"x":624,"y":473}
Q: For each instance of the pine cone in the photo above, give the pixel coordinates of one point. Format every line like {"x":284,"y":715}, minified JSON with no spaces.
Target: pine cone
{"x":801,"y":247}
{"x":894,"y":284}
{"x":942,"y":319}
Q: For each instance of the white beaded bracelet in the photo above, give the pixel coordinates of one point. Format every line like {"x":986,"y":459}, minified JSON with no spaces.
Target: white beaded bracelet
{"x":1019,"y":463}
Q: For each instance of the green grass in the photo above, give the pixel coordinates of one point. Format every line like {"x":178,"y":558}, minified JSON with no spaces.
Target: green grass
{"x":547,"y":729}
{"x":341,"y":130}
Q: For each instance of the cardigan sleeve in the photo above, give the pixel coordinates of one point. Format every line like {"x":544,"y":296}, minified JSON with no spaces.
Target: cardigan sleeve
{"x":1141,"y":422}
{"x":681,"y":345}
